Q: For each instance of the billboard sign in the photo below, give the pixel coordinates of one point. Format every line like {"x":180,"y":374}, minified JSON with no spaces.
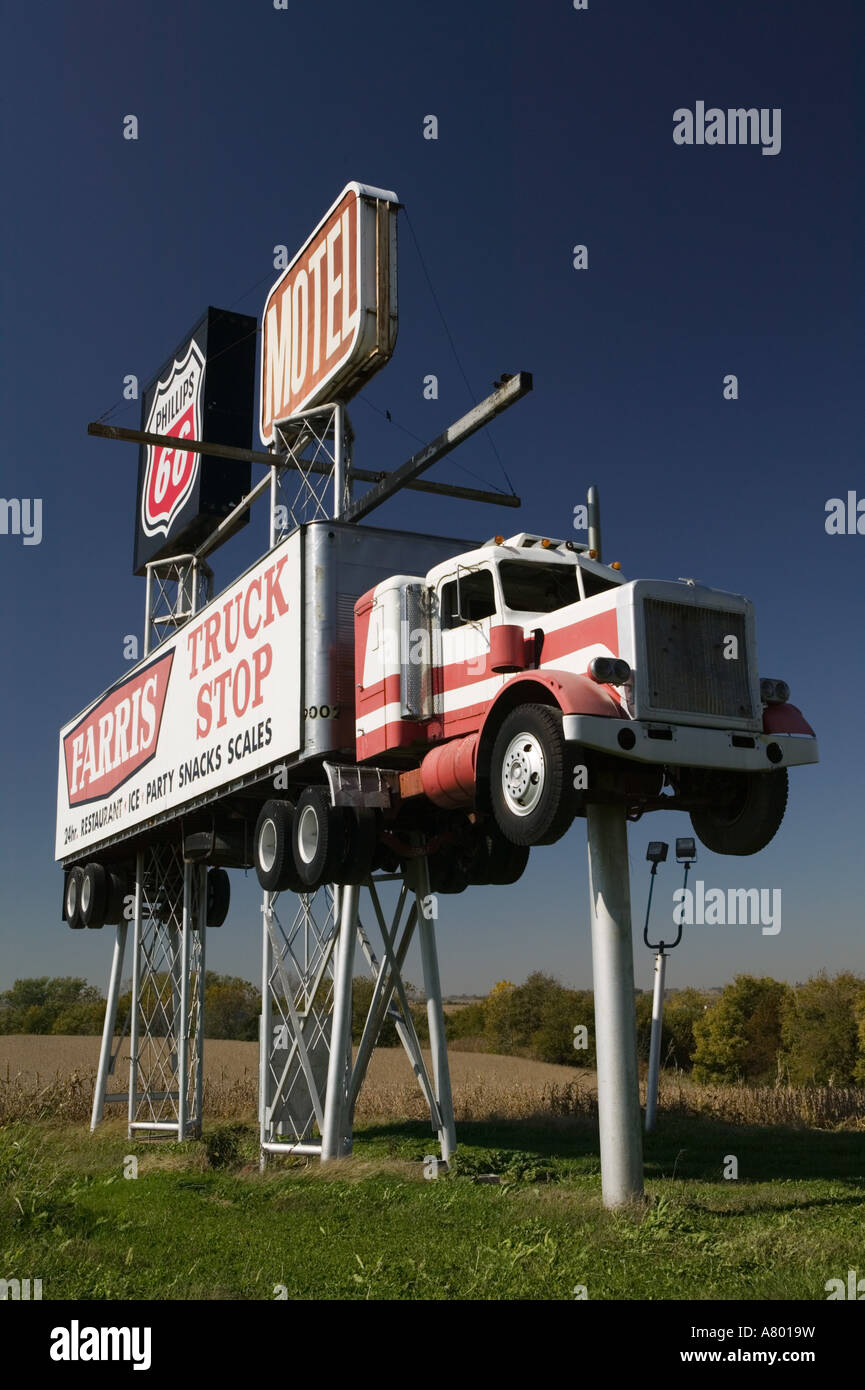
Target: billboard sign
{"x":330,"y":321}
{"x":218,"y":700}
{"x":170,"y":474}
{"x":204,"y":391}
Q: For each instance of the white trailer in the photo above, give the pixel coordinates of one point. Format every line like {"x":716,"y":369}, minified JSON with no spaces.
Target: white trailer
{"x":251,"y":696}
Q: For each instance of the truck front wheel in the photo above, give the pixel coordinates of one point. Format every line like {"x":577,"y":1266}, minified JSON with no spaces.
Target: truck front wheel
{"x":746,"y":821}
{"x":530,"y":790}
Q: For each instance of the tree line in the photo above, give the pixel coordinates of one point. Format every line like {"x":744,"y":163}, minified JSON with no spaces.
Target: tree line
{"x":232,"y":1006}
{"x":756,"y":1029}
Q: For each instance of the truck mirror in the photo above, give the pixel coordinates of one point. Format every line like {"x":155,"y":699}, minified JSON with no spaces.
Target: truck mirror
{"x":459,"y":613}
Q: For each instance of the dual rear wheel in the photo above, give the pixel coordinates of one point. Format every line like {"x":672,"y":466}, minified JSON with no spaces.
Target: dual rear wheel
{"x":96,"y":896}
{"x":93,"y":896}
{"x":298,"y":848}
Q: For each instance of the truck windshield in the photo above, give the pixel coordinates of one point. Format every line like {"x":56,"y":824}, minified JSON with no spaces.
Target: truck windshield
{"x":529,"y":587}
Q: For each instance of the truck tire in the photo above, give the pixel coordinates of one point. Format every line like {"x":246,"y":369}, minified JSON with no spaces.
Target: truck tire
{"x":446,"y":874}
{"x":361,"y":836}
{"x":530,"y":789}
{"x":118,"y":890}
{"x":102,"y":894}
{"x":745,"y":824}
{"x":274,"y":861}
{"x":72,"y":898}
{"x":218,"y":897}
{"x":496,"y":860}
{"x":317,"y":838}
{"x":94,"y":895}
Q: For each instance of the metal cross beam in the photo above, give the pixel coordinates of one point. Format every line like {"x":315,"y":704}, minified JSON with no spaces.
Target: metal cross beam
{"x":512,"y":390}
{"x":363,"y":475}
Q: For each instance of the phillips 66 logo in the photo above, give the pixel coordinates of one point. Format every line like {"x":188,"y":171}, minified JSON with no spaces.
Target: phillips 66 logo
{"x":170,"y":474}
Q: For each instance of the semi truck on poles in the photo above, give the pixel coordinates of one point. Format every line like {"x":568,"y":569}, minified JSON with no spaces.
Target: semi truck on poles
{"x":365,"y":705}
{"x":361,"y":696}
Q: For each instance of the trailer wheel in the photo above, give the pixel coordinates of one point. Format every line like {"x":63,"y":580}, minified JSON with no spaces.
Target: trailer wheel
{"x":218,"y":897}
{"x":102,"y":894}
{"x":361,"y":836}
{"x":118,"y":889}
{"x":532,"y":800}
{"x":318,"y":837}
{"x":94,"y":895}
{"x":72,"y":898}
{"x":274,"y":861}
{"x":748,"y":821}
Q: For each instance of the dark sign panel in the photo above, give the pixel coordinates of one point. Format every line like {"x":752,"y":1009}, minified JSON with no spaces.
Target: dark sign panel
{"x":203,"y":392}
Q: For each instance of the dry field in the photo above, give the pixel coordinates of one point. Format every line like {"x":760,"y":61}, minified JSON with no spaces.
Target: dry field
{"x":54,"y":1077}
{"x":50,"y":1073}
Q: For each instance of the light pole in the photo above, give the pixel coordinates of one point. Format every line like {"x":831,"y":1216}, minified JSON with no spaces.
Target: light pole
{"x":656,"y":854}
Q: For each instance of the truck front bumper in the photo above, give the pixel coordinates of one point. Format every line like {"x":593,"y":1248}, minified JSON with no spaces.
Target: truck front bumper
{"x":683,"y":745}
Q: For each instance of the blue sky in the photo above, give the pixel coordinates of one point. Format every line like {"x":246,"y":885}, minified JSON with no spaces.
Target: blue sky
{"x":555,"y":128}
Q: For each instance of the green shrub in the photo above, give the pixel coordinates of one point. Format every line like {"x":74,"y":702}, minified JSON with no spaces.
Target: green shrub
{"x":563,"y":1011}
{"x":739,"y":1037}
{"x":820,"y":1032}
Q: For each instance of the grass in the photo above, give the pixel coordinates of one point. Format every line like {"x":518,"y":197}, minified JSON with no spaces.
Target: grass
{"x":519,"y":1217}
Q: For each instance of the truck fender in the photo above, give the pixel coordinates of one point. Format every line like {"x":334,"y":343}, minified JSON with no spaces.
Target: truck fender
{"x":785,"y":719}
{"x":571,"y":693}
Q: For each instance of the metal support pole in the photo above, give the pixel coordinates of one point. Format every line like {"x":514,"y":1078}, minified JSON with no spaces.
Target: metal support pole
{"x":435,"y":1013}
{"x":264,"y":1025}
{"x":181,"y":1025}
{"x":108,"y":1025}
{"x":274,"y":497}
{"x":136,"y":953}
{"x":615,"y":1022}
{"x":655,"y":1043}
{"x":594,"y":520}
{"x":148,"y":608}
{"x":363,"y":475}
{"x":335,"y":1140}
{"x":512,"y":390}
{"x":198,"y":1093}
{"x":338,"y":460}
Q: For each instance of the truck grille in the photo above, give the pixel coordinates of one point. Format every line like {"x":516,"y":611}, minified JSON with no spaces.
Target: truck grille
{"x":687,"y":669}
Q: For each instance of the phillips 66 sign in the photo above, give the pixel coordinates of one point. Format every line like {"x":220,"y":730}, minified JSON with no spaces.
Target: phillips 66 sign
{"x":203,"y":392}
{"x":330,"y":321}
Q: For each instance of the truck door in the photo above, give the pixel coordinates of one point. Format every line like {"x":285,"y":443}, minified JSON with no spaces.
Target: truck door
{"x":465,"y":684}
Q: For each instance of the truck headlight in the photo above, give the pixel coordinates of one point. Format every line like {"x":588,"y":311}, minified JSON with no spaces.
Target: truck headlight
{"x":609,"y":670}
{"x":774,"y":692}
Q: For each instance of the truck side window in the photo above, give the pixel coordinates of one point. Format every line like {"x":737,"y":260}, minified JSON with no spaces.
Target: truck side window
{"x":476,"y":598}
{"x":594,"y":583}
